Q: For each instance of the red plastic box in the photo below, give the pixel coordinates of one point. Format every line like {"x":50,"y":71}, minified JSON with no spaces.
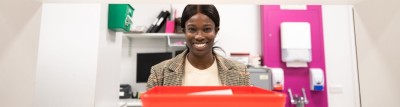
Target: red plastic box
{"x":177,"y":96}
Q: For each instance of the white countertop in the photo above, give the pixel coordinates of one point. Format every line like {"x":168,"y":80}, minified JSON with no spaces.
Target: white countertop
{"x":130,"y":103}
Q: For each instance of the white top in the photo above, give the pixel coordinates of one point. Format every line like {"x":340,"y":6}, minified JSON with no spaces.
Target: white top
{"x":197,"y":77}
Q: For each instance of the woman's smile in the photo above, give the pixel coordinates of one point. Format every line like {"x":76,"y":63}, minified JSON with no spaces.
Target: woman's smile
{"x":200,"y":46}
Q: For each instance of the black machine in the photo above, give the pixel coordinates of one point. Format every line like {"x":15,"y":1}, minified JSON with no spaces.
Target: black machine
{"x":125,"y":91}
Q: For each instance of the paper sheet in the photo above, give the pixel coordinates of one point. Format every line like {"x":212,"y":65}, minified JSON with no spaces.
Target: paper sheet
{"x":213,"y":92}
{"x":296,"y":64}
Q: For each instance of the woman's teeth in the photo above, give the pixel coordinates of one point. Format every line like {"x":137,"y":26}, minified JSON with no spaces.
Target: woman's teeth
{"x":200,"y":45}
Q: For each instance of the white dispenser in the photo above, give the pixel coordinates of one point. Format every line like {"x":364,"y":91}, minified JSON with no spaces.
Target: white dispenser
{"x":296,"y":43}
{"x":316,"y":79}
{"x":278,"y":79}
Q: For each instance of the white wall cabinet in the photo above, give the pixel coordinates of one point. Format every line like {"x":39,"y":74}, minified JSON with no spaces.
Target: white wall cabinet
{"x":79,"y":59}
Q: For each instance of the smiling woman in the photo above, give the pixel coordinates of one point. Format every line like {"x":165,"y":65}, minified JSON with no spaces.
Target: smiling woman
{"x":199,"y":65}
{"x":200,"y":24}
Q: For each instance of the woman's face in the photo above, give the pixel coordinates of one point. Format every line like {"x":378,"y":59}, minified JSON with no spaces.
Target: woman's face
{"x":200,"y":33}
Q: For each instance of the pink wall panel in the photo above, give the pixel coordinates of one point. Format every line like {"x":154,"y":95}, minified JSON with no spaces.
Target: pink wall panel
{"x":295,"y":78}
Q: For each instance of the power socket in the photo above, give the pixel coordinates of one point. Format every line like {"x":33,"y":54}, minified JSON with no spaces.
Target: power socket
{"x":336,"y":89}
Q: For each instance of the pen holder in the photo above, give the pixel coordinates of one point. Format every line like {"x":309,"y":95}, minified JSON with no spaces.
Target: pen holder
{"x":170,"y":27}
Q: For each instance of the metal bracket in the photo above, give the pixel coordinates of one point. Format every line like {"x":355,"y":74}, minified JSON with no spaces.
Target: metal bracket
{"x":299,"y":101}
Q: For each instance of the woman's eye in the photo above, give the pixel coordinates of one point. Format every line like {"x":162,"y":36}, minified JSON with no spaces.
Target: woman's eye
{"x":191,"y":30}
{"x":207,"y":29}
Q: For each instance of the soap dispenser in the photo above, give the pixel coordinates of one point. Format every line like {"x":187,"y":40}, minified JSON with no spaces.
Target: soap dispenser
{"x":316,"y":79}
{"x":278,"y":79}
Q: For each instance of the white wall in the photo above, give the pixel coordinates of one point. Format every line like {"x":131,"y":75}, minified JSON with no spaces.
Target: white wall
{"x":240,"y":28}
{"x":78,"y":59}
{"x":378,"y":49}
{"x":340,"y":56}
{"x":19,"y":35}
{"x":108,"y":64}
{"x":67,"y":58}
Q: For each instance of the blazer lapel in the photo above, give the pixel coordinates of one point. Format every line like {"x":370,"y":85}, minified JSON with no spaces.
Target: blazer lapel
{"x":173,"y":78}
{"x":225,"y":71}
{"x":174,"y":75}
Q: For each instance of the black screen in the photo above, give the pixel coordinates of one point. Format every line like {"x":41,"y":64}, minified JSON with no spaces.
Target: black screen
{"x":178,"y":52}
{"x":145,"y":61}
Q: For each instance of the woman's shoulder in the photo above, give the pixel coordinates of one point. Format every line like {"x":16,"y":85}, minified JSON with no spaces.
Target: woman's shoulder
{"x":170,"y":63}
{"x":162,"y":64}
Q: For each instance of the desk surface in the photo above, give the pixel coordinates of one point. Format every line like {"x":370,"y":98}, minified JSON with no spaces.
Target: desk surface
{"x":130,"y":103}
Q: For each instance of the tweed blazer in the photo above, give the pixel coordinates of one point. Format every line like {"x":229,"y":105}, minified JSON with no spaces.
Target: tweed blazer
{"x":171,"y":72}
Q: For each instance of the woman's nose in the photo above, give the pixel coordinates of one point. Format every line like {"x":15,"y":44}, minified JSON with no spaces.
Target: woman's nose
{"x":199,"y":36}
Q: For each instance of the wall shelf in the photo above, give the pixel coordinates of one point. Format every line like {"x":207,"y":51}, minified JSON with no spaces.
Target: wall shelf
{"x":173,"y":40}
{"x":167,"y":36}
{"x":155,"y":35}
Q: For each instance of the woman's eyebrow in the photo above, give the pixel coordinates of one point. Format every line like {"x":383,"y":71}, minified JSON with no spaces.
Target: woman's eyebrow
{"x":207,"y":24}
{"x":191,"y":25}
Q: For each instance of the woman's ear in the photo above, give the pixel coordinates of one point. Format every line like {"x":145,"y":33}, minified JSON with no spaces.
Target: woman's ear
{"x":216,"y":30}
